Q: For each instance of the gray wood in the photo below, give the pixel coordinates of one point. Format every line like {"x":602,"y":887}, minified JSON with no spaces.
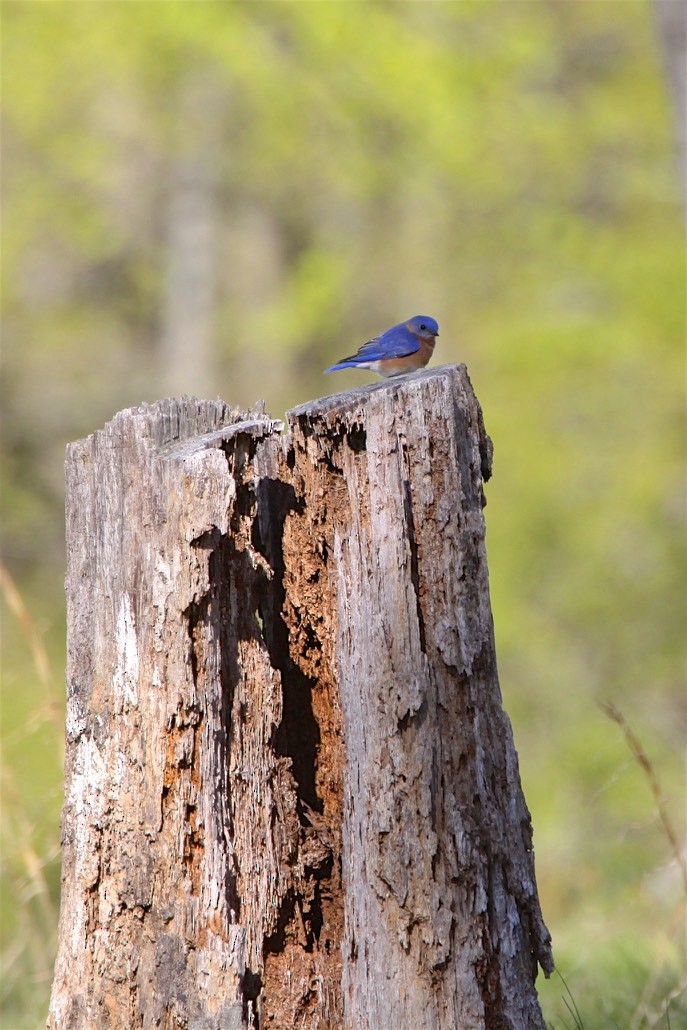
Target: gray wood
{"x":292,"y":795}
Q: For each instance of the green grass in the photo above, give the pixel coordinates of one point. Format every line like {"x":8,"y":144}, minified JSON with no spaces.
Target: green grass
{"x":627,"y":985}
{"x":31,"y":791}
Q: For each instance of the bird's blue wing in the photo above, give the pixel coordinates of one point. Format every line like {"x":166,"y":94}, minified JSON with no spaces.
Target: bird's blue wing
{"x":394,"y":343}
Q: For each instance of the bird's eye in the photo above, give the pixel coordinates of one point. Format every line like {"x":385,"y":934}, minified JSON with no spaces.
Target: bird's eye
{"x":423,"y":326}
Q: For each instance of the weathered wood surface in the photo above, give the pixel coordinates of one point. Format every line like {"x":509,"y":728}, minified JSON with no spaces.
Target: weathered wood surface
{"x":292,"y":796}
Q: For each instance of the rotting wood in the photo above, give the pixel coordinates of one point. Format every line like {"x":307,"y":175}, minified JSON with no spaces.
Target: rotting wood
{"x":292,"y":795}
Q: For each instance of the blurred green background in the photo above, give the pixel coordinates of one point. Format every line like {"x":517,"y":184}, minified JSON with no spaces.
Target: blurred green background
{"x":221,"y":198}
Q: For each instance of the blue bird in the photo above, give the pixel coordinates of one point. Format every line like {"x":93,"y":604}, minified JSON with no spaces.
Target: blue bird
{"x":405,"y":347}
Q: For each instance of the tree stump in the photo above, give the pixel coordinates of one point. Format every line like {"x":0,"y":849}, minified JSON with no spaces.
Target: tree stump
{"x":292,"y":794}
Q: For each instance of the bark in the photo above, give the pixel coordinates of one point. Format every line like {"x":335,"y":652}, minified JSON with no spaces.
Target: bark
{"x":292,"y":795}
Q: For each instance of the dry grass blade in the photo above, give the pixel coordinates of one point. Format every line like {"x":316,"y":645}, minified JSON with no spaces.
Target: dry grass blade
{"x":39,"y":655}
{"x":643,"y":760}
{"x":643,"y":1016}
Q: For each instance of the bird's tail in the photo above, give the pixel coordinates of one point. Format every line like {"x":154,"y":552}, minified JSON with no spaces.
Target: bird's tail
{"x":344,"y":363}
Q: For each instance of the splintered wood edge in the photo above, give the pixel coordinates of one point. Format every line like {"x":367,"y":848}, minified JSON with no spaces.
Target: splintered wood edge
{"x":257,"y":428}
{"x":348,"y":398}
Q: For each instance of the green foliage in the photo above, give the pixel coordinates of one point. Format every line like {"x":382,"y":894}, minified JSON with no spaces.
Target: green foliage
{"x":507,"y":167}
{"x":30,"y":784}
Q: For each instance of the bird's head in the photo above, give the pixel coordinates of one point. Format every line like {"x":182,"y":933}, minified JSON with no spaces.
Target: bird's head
{"x":424,"y":327}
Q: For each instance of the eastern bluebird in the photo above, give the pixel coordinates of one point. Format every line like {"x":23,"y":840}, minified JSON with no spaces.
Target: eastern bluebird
{"x":405,"y":347}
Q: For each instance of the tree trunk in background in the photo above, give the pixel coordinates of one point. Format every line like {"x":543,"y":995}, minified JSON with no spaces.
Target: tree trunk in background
{"x":185,"y":352}
{"x":672,"y":26}
{"x":292,"y":795}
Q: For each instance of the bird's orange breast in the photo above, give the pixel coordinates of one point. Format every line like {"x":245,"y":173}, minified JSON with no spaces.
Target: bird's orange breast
{"x":408,"y":363}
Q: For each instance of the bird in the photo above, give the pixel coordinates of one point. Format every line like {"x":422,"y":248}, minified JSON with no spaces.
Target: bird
{"x":405,"y":347}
